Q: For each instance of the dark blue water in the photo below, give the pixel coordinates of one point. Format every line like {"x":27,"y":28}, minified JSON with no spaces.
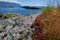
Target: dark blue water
{"x":18,"y":10}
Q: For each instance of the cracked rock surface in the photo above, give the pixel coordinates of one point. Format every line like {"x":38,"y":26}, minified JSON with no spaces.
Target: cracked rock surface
{"x":16,"y":28}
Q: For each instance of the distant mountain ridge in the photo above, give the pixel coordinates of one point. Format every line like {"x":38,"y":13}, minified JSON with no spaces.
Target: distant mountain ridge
{"x":12,"y":5}
{"x":8,"y":4}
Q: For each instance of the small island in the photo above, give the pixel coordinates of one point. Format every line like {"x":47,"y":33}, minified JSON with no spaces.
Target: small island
{"x":28,"y":7}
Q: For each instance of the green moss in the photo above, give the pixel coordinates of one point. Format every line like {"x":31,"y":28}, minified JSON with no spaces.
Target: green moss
{"x":9,"y":15}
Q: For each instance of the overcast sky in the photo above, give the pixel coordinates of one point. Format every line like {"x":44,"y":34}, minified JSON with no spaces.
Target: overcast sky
{"x":34,"y":2}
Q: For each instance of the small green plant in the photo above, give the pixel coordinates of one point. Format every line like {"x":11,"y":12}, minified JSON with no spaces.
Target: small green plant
{"x":9,"y":15}
{"x":48,"y":9}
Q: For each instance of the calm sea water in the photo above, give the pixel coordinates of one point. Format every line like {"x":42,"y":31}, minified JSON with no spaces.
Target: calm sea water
{"x":22,"y":11}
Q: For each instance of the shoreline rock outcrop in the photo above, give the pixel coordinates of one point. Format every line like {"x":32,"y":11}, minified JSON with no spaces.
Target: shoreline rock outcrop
{"x":17,"y":28}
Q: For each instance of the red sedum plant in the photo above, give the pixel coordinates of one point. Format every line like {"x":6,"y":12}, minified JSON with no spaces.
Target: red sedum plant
{"x":47,"y":25}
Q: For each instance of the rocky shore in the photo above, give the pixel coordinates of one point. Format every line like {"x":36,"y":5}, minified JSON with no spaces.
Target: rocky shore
{"x":17,"y":28}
